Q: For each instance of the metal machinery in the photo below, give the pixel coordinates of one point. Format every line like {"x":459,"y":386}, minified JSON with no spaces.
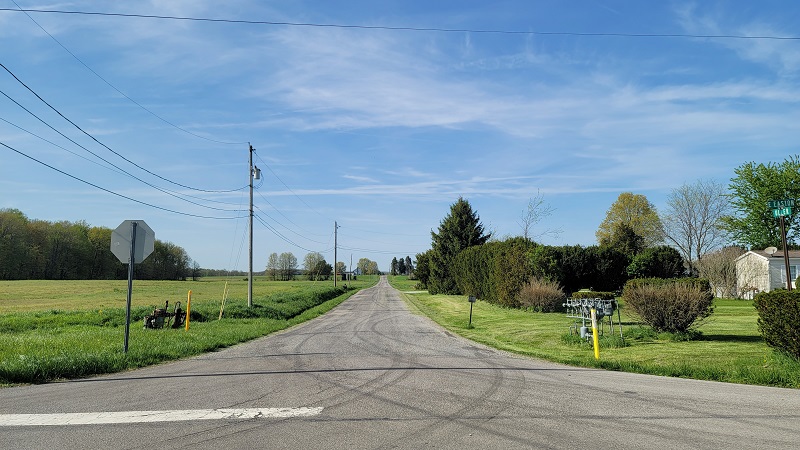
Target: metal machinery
{"x":162,"y":317}
{"x":580,"y":309}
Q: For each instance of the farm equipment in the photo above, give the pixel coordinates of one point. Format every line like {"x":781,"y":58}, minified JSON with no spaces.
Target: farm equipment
{"x":164,"y":318}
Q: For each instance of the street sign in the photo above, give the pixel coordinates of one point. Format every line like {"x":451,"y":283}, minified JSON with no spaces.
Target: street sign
{"x":775,"y":204}
{"x":780,"y":212}
{"x":121,"y":241}
{"x":131,"y":242}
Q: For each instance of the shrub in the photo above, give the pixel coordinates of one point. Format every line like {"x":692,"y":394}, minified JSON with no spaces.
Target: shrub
{"x":674,"y":305}
{"x":541,"y":295}
{"x":779,"y":320}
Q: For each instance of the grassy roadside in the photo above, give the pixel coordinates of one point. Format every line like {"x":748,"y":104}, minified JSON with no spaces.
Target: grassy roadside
{"x":46,"y":345}
{"x":730,"y":348}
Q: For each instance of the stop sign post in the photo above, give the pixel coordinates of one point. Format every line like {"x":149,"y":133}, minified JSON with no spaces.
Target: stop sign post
{"x":131,"y":242}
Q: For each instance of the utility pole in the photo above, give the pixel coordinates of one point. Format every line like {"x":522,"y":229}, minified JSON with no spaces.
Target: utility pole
{"x":257,"y":173}
{"x":335,"y":244}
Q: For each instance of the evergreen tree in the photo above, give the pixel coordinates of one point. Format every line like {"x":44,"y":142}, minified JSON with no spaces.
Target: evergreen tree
{"x":461,"y":229}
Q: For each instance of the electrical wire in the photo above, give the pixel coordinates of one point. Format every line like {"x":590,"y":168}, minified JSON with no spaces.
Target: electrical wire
{"x":288,"y":188}
{"x":172,"y":193}
{"x":119,"y":91}
{"x":107,"y":147}
{"x":112,"y":192}
{"x":414,"y":29}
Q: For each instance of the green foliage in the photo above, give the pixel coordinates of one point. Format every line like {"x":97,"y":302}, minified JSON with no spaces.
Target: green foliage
{"x":41,"y":250}
{"x":423,"y":270}
{"x":779,"y":320}
{"x":657,"y":262}
{"x":459,"y":230}
{"x":541,"y":295}
{"x":575,"y":267}
{"x":751,"y":189}
{"x":511,"y":270}
{"x":672,"y":305}
{"x":594,"y":294}
{"x":473,"y":271}
{"x":637,"y":214}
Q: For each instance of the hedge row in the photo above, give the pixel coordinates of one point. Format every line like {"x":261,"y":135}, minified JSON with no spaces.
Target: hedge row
{"x":779,"y":320}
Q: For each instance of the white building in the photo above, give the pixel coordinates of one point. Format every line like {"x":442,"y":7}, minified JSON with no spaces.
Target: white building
{"x":759,"y":271}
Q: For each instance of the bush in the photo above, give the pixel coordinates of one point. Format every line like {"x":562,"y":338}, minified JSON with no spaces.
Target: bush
{"x":674,"y":305}
{"x":541,"y":295}
{"x":779,"y":320}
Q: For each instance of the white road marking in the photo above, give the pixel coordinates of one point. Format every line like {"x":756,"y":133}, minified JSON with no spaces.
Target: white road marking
{"x":95,"y":418}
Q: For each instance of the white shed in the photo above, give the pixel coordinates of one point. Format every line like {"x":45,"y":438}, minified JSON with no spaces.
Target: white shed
{"x":758,"y":271}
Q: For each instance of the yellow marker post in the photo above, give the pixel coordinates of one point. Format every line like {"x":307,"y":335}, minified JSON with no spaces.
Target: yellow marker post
{"x":595,"y":338}
{"x":188,"y":309}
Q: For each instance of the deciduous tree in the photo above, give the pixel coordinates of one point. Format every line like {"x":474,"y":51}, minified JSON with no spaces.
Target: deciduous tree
{"x":693,"y":220}
{"x":752,"y":224}
{"x":636,"y":212}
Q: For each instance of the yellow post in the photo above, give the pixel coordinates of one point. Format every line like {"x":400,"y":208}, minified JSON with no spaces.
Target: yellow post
{"x":595,"y":338}
{"x":188,"y":309}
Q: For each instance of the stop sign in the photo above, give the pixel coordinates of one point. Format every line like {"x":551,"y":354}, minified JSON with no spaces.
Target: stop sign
{"x":143,"y":245}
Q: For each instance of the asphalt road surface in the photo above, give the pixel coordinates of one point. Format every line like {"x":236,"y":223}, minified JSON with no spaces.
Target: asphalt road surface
{"x":370,"y":374}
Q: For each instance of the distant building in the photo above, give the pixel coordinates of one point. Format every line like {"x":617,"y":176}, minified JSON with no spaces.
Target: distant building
{"x":758,"y":271}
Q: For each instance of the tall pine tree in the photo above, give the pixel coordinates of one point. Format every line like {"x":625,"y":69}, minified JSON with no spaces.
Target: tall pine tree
{"x":459,"y":230}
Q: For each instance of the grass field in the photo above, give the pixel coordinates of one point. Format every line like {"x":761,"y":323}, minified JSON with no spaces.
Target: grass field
{"x":730,"y":348}
{"x":54,"y":330}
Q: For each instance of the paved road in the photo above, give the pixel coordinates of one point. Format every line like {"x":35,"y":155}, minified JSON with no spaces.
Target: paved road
{"x":376,"y":376}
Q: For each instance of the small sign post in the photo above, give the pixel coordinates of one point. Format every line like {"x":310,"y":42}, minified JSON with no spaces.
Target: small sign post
{"x":131,"y":242}
{"x":471,"y":302}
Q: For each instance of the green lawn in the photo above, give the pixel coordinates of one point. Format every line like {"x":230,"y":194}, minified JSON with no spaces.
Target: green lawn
{"x":52,"y":330}
{"x":730,"y":348}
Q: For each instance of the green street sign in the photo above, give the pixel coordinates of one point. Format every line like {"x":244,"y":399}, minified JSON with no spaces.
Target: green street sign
{"x":785,"y":211}
{"x":776,"y":204}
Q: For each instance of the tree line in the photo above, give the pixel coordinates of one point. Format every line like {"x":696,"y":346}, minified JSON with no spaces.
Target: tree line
{"x":284,"y":267}
{"x":703,"y":229}
{"x":38,"y":249}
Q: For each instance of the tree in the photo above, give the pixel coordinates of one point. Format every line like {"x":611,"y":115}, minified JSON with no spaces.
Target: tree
{"x":272,"y":266}
{"x":401,"y":266}
{"x":719,"y":268}
{"x":287,"y":266}
{"x":657,"y":262}
{"x":312,"y":264}
{"x":536,"y":211}
{"x":409,"y":266}
{"x":636,"y":212}
{"x":393,"y":269}
{"x":423,"y":271}
{"x":624,"y":239}
{"x":459,"y":230}
{"x":693,"y":219}
{"x":752,"y":224}
{"x":341,"y":268}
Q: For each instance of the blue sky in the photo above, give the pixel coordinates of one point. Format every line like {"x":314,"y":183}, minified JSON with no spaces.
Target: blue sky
{"x":382,"y":130}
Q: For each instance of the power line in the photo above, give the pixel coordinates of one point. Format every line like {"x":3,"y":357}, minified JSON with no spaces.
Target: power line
{"x":123,"y":171}
{"x":112,"y":192}
{"x":287,"y":187}
{"x":416,"y":29}
{"x":107,"y":147}
{"x":119,"y":91}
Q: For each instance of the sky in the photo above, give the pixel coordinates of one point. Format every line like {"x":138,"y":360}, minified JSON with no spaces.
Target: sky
{"x":378,"y":115}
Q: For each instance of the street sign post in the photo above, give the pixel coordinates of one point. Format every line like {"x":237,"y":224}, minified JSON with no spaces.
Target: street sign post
{"x":781,"y":209}
{"x":131,"y":242}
